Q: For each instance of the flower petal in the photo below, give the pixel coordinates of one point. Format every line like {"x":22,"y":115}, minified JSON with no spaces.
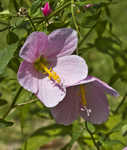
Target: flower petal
{"x":34,"y":46}
{"x":62,"y":42}
{"x":106,"y":88}
{"x":125,"y":148}
{"x":28,"y":76}
{"x":50,"y":93}
{"x":68,"y":110}
{"x":71,"y":69}
{"x":97,"y":103}
{"x":98,"y":83}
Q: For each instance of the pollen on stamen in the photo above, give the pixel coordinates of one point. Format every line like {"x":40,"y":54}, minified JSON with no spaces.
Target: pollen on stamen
{"x":54,"y":76}
{"x":42,"y":66}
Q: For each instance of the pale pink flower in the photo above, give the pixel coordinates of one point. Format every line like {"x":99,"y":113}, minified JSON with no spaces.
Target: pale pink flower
{"x":48,"y":68}
{"x":88,"y":5}
{"x":86,"y":99}
{"x":125,"y":148}
{"x":46,"y":10}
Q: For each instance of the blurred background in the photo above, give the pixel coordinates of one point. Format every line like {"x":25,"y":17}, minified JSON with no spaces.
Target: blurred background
{"x":26,"y":124}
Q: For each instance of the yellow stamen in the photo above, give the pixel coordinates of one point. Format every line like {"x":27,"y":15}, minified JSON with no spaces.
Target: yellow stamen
{"x":52,"y":74}
{"x":83,"y":95}
{"x":42,"y":65}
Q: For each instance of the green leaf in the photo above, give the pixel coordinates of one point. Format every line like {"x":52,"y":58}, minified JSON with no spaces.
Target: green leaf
{"x":5,"y":56}
{"x":14,"y":64}
{"x":3,"y":102}
{"x":44,"y":135}
{"x":113,"y":142}
{"x":12,"y":37}
{"x":77,"y":130}
{"x":91,"y":2}
{"x":100,"y":27}
{"x":106,"y":44}
{"x":35,"y":5}
{"x":57,"y":25}
{"x":124,"y":130}
{"x":13,"y":6}
{"x":4,"y":123}
{"x":5,"y":12}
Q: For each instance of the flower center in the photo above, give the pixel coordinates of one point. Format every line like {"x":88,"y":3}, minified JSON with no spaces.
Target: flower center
{"x":41,"y":65}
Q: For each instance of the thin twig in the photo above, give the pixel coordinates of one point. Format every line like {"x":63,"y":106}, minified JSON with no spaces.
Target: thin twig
{"x":92,"y":137}
{"x":73,"y":16}
{"x":74,"y":20}
{"x":22,"y":104}
{"x":13,"y":103}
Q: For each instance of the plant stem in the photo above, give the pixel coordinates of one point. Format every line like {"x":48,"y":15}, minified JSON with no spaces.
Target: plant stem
{"x":74,"y":20}
{"x":92,"y":137}
{"x":13,"y":103}
{"x":22,"y":104}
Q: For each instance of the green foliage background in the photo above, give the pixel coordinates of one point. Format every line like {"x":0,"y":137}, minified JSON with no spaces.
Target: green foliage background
{"x":27,"y":125}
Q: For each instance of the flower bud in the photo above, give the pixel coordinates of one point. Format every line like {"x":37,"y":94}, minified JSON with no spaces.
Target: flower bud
{"x":46,"y":10}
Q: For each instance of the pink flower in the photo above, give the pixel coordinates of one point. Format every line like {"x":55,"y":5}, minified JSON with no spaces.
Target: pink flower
{"x":46,"y":10}
{"x":125,"y":148}
{"x":48,"y":68}
{"x":88,"y":5}
{"x":86,"y":99}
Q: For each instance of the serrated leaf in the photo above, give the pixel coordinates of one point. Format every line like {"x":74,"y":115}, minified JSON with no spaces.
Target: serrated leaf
{"x":4,"y":123}
{"x":5,"y":56}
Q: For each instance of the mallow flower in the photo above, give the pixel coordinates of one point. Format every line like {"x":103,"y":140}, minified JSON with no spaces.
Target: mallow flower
{"x":87,"y":99}
{"x":48,"y":68}
{"x":46,"y":10}
{"x":88,"y":5}
{"x":125,"y":148}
